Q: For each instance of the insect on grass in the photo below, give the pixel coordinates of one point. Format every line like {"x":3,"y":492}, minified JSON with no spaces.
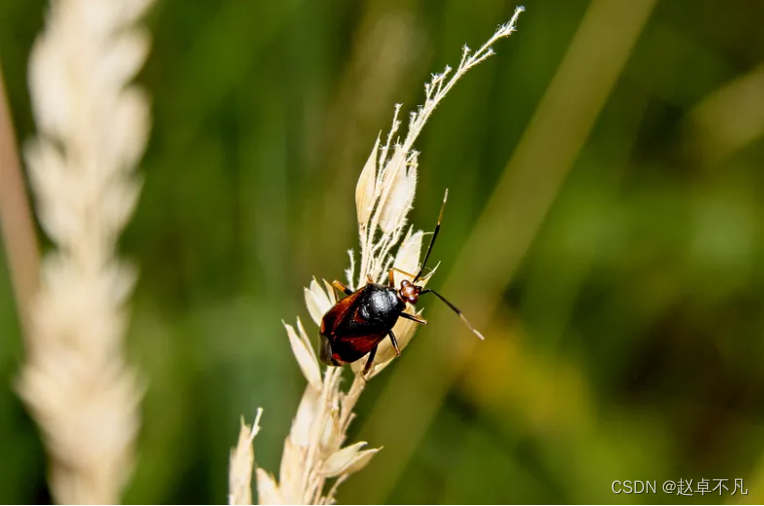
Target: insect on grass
{"x":355,"y":325}
{"x":374,"y":319}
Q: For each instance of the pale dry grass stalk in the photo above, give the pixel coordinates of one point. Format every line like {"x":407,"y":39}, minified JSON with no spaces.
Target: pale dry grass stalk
{"x":520,"y":200}
{"x":313,"y":452}
{"x":16,"y":223}
{"x":92,"y":129}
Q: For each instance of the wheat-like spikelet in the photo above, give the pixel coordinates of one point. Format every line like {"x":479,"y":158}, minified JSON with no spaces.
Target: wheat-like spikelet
{"x":92,"y":129}
{"x":313,"y":451}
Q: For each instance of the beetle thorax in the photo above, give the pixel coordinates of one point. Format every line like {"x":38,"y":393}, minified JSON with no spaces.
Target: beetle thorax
{"x":409,"y":291}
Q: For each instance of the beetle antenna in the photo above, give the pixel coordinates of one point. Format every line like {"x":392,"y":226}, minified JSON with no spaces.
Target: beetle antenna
{"x":432,"y":240}
{"x":456,"y":310}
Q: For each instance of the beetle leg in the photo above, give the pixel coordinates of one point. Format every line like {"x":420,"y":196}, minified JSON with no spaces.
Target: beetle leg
{"x":414,"y":318}
{"x":392,"y":278}
{"x":394,"y":342}
{"x":369,"y":361}
{"x":342,"y":288}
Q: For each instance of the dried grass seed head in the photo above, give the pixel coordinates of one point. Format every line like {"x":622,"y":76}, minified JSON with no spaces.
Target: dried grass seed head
{"x":384,"y":195}
{"x":92,"y":129}
{"x":365,"y":191}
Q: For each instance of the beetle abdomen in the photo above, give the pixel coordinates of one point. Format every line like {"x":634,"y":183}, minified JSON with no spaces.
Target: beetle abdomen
{"x":357,"y":323}
{"x":345,"y":351}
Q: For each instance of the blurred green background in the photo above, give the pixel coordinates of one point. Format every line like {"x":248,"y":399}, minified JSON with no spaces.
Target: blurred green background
{"x":605,"y":228}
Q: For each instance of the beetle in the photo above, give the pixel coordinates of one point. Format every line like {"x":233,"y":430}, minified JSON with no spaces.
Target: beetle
{"x":355,"y":325}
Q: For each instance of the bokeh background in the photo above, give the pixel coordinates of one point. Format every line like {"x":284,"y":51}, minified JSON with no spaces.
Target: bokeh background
{"x":605,"y":229}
